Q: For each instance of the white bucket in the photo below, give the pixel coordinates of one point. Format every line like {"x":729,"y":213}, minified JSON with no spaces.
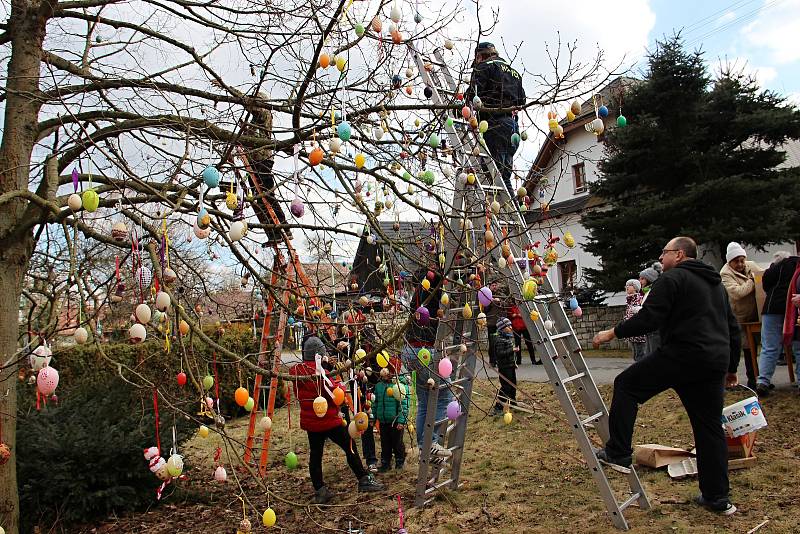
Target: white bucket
{"x":743,"y":417}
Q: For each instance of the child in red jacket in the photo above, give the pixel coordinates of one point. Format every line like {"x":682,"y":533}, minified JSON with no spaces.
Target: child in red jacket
{"x":329,"y":426}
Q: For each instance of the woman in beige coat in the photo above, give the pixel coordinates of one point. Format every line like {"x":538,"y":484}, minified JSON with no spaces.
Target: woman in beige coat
{"x":737,"y":277}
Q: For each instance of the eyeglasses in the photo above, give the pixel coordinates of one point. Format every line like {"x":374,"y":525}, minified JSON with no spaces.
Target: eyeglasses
{"x":670,"y":250}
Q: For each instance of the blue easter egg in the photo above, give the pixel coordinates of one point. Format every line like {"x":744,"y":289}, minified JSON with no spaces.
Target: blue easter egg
{"x":573,"y":303}
{"x":211,"y":176}
{"x":344,"y":131}
{"x":515,"y":139}
{"x":603,"y":111}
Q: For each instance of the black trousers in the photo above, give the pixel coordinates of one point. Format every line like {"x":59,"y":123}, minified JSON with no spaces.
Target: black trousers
{"x":392,"y":442}
{"x":316,"y":445}
{"x":491,"y":334}
{"x":498,"y":142}
{"x":701,"y":392}
{"x":508,"y":386}
{"x":518,"y":336}
{"x":368,"y":444}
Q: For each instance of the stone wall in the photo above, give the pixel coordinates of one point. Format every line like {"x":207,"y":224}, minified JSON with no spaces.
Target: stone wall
{"x":594,"y":319}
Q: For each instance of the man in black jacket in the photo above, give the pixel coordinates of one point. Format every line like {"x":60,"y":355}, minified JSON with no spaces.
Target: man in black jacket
{"x":700,"y":343}
{"x":498,"y":85}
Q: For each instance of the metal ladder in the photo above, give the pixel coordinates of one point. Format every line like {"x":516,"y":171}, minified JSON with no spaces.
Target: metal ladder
{"x":572,"y":376}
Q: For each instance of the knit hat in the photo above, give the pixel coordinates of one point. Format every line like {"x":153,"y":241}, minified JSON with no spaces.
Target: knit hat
{"x":312,"y":347}
{"x":635,"y":283}
{"x":652,"y":273}
{"x":503,"y":322}
{"x":734,"y":251}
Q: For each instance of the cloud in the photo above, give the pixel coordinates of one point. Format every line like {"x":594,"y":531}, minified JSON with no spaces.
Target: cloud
{"x":775,"y":29}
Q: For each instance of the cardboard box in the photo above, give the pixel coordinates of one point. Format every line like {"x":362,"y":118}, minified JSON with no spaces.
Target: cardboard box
{"x":654,"y":455}
{"x":742,"y":446}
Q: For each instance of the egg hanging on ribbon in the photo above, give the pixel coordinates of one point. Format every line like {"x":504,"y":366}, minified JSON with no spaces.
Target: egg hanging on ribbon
{"x":353,"y":430}
{"x":220,"y":475}
{"x":445,"y":367}
{"x":335,"y":145}
{"x":395,"y":14}
{"x":265,"y":423}
{"x":445,"y":299}
{"x":208,"y":381}
{"x":297,"y":207}
{"x":237,"y":230}
{"x":622,"y":121}
{"x":433,"y":140}
{"x":269,"y":518}
{"x":507,"y":418}
{"x":175,"y":465}
{"x":341,"y":63}
{"x":467,"y":311}
{"x":143,"y":313}
{"x":320,"y":406}
{"x":453,"y":410}
{"x":359,"y":29}
{"x":485,"y":296}
{"x":315,"y":156}
{"x":163,"y":301}
{"x":575,"y":108}
{"x":119,"y":231}
{"x":602,"y":111}
{"x":324,"y":60}
{"x":91,"y":200}
{"x":361,"y":420}
{"x":211,"y":176}
{"x":74,"y":202}
{"x":483,"y":126}
{"x":250,"y":404}
{"x":569,"y":241}
{"x":529,"y":289}
{"x":577,"y":312}
{"x":240,"y":396}
{"x":81,"y":335}
{"x":481,"y":319}
{"x":203,"y":431}
{"x":183,"y":327}
{"x":360,"y":160}
{"x":424,"y":356}
{"x":377,"y":25}
{"x":344,"y":131}
{"x":477,"y":103}
{"x":201,"y":233}
{"x":47,"y":381}
{"x":448,"y":44}
{"x":423,"y":316}
{"x":137,"y":333}
{"x":548,"y":324}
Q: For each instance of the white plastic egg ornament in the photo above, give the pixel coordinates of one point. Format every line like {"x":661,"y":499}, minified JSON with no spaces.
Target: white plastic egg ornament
{"x":598,"y":126}
{"x":502,"y":263}
{"x":119,"y":231}
{"x":163,"y":301}
{"x":137,"y":333}
{"x":237,"y":230}
{"x":335,"y":145}
{"x":392,"y":29}
{"x":477,"y":103}
{"x":495,"y":207}
{"x":81,"y":335}
{"x":265,"y":423}
{"x":548,"y":324}
{"x":409,"y":72}
{"x":220,"y":475}
{"x":143,"y":313}
{"x":74,"y":202}
{"x":448,"y":44}
{"x":41,"y":357}
{"x":395,"y":14}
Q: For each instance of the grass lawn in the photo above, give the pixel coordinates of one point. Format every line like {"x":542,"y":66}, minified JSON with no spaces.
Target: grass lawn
{"x":525,"y":477}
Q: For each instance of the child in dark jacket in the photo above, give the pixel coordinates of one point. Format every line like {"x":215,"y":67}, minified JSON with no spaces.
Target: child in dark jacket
{"x":506,"y":365}
{"x":391,"y":410}
{"x":327,"y":427}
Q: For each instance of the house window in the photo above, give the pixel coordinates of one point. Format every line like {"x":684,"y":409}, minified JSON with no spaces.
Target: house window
{"x":567,"y":272}
{"x":579,"y":178}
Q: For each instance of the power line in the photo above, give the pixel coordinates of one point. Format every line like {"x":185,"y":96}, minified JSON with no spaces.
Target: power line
{"x":735,"y":22}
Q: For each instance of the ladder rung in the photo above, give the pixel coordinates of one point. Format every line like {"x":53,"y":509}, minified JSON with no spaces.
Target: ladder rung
{"x":629,"y":501}
{"x":438,"y":485}
{"x":573,"y":377}
{"x":591,"y":418}
{"x":559,"y":336}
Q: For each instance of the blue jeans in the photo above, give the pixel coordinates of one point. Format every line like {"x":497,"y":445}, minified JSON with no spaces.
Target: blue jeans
{"x":771,"y":346}
{"x":412,"y":363}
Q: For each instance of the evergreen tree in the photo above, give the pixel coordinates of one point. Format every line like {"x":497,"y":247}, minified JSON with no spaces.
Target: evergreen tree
{"x":697,"y":158}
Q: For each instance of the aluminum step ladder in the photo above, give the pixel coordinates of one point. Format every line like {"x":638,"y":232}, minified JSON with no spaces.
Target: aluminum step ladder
{"x":572,"y":377}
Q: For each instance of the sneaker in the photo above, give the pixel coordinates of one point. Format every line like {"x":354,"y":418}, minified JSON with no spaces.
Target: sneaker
{"x":438,"y":450}
{"x":384,"y":467}
{"x":621,"y":464}
{"x":367,"y":483}
{"x":372,"y":468}
{"x":762,"y":390}
{"x":721,"y":506}
{"x":538,"y":362}
{"x":436,"y":460}
{"x":322,"y":496}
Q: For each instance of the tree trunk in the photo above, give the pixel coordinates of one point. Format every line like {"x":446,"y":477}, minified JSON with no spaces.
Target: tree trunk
{"x":26,"y":30}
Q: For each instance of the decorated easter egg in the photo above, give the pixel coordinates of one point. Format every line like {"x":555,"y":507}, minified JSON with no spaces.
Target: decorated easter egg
{"x":445,"y":299}
{"x":548,"y":324}
{"x":344,"y":131}
{"x":577,"y":312}
{"x":568,"y":239}
{"x":290,"y":460}
{"x":175,"y":465}
{"x":220,"y":475}
{"x":183,"y":327}
{"x":575,"y":108}
{"x":203,"y":431}
{"x":143,"y":313}
{"x":353,"y":430}
{"x":137,"y":333}
{"x":91,"y":200}
{"x":47,"y":381}
{"x":324,"y":60}
{"x":119,"y":231}
{"x":181,"y":378}
{"x":573,"y":303}
{"x":338,"y":396}
{"x":163,"y":301}
{"x":485,"y":296}
{"x":359,"y":29}
{"x":81,"y":335}
{"x":507,"y":418}
{"x":74,"y":202}
{"x":320,"y":406}
{"x":297,"y":207}
{"x":453,"y":410}
{"x":211,"y":176}
{"x":445,"y":367}
{"x":265,"y":423}
{"x":529,"y":289}
{"x":376,"y":24}
{"x":240,"y":396}
{"x":602,"y":111}
{"x":315,"y":156}
{"x":269,"y":519}
{"x":208,"y":381}
{"x":341,"y":63}
{"x":237,"y":230}
{"x":200,"y":232}
{"x":448,"y":44}
{"x":597,"y":126}
{"x":622,"y":121}
{"x":424,"y":356}
{"x":467,"y":311}
{"x":483,"y":126}
{"x":466,"y":112}
{"x":360,"y":160}
{"x":395,"y":14}
{"x":361,"y":419}
{"x":423,"y":316}
{"x":250,"y":404}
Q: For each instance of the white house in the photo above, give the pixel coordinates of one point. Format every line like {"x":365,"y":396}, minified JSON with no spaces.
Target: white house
{"x":559,"y":178}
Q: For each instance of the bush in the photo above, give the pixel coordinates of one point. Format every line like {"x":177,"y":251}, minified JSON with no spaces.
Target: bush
{"x":84,"y":459}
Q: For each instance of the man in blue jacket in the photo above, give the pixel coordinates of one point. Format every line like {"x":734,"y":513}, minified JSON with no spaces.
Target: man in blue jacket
{"x":699,"y":352}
